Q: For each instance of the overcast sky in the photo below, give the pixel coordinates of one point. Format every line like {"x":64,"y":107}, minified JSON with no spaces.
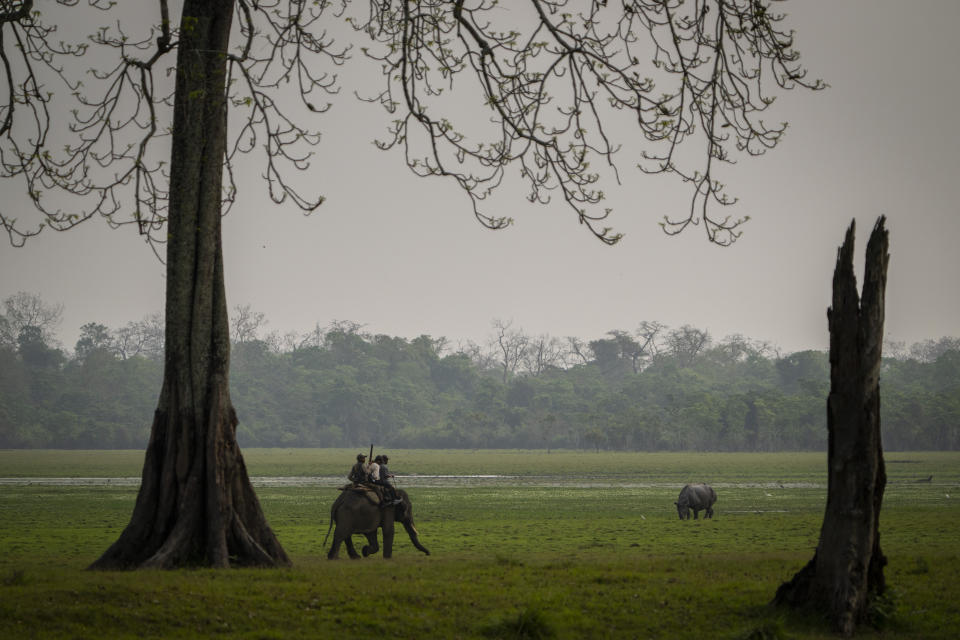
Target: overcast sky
{"x":404,"y":256}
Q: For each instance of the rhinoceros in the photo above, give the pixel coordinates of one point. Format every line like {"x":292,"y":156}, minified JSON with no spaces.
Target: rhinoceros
{"x":697,"y":497}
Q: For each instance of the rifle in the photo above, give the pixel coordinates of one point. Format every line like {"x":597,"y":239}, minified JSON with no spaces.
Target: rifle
{"x":369,"y":461}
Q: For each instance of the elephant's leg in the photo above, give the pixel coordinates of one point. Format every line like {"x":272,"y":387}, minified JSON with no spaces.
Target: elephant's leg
{"x":709,"y":512}
{"x":388,"y":539}
{"x":372,"y":546}
{"x":348,"y":541}
{"x":335,"y":547}
{"x":696,"y":514}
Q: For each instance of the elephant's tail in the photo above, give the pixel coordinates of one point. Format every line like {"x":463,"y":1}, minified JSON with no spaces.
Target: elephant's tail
{"x":333,"y":510}
{"x":328,"y":532}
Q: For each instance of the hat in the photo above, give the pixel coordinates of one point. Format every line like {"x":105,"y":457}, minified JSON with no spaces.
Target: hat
{"x":384,"y":458}
{"x":361,"y":457}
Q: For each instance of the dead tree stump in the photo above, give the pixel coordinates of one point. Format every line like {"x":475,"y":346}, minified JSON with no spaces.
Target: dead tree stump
{"x":846,"y":573}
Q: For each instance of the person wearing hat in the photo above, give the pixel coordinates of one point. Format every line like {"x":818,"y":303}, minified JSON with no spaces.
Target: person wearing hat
{"x":389,"y":492}
{"x":358,"y":473}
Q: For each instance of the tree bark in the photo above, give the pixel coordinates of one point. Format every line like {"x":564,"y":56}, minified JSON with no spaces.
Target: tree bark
{"x":846,"y":573}
{"x":196,"y":506}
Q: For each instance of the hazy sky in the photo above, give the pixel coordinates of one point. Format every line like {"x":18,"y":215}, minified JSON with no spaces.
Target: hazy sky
{"x":404,"y":256}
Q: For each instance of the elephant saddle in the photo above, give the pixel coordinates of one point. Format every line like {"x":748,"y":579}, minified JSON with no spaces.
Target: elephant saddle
{"x":371,"y":492}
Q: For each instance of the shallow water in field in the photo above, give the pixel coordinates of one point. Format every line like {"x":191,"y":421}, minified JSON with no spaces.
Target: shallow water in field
{"x":896,"y":491}
{"x":440,"y":481}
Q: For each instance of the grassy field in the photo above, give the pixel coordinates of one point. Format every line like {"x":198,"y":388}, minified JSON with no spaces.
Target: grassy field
{"x":569,"y":545}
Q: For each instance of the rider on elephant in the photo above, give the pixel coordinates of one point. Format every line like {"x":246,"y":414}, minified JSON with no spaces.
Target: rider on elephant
{"x":354,"y":513}
{"x":389,"y":493}
{"x":358,"y":473}
{"x":373,"y":471}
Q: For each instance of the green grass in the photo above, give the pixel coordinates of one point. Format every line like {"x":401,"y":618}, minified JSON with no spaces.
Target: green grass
{"x":595,"y":553}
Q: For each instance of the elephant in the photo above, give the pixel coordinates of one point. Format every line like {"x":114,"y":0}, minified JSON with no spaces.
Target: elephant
{"x":697,"y":497}
{"x":353,"y":512}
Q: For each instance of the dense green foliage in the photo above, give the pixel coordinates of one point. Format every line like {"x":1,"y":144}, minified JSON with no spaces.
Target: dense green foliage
{"x":662,"y":390}
{"x":580,"y":548}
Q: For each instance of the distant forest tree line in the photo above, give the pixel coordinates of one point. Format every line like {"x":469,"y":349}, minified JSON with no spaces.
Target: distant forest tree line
{"x":653,"y":388}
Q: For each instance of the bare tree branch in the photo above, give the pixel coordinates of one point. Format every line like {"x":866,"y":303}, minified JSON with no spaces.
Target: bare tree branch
{"x":554,"y":74}
{"x":547,"y":83}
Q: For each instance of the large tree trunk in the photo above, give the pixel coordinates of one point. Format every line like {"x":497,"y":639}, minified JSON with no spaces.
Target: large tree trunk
{"x":846,"y":572}
{"x":196,"y":506}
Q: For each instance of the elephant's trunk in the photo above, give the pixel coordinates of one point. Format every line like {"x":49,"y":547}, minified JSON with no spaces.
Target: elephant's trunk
{"x":414,"y":536}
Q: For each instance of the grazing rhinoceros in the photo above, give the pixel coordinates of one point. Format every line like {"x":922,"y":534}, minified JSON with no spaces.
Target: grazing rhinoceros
{"x":697,"y":497}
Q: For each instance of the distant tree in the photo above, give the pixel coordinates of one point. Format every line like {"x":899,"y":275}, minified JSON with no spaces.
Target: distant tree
{"x":22,"y":310}
{"x":455,"y":372}
{"x":801,"y":370}
{"x":345,"y":342}
{"x":552,"y":78}
{"x":595,"y":438}
{"x":639,"y":348}
{"x":7,"y":338}
{"x":739,"y":348}
{"x":630,"y":349}
{"x":686,"y":343}
{"x":930,"y":350}
{"x":93,"y":337}
{"x":141,"y":338}
{"x":609,"y":356}
{"x":509,"y":347}
{"x":543,"y":353}
{"x":578,"y":352}
{"x":482,"y":357}
{"x":247,"y":324}
{"x":896,"y":349}
{"x":429,"y":348}
{"x":549,"y":425}
{"x":34,"y":350}
{"x":649,"y":335}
